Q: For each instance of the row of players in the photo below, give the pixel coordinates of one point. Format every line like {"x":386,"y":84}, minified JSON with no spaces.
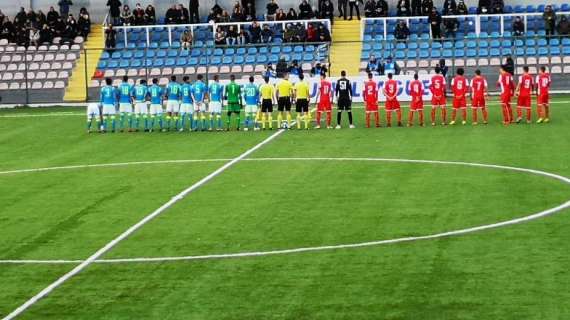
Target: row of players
{"x":196,"y":102}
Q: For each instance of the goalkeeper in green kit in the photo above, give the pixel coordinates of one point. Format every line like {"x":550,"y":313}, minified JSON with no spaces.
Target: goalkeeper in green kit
{"x":233,"y":96}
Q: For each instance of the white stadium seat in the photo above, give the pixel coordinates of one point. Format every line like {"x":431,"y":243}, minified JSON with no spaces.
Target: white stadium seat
{"x":94,"y":83}
{"x":167,"y":71}
{"x":52,"y":75}
{"x":556,"y":60}
{"x":14,"y":86}
{"x":236,"y":69}
{"x":8,"y":76}
{"x":56,"y":66}
{"x":19,"y":76}
{"x":48,"y":85}
{"x":41,"y":75}
{"x":190,"y":70}
{"x":248,"y":68}
{"x":163,"y":81}
{"x":483,"y":62}
{"x":471,"y":62}
{"x":34,"y":67}
{"x":213,"y":69}
{"x":531,"y":60}
{"x":67,"y":66}
{"x":543,"y":60}
{"x":495,"y":62}
{"x":155,"y":72}
{"x":45,"y":66}
{"x":259,"y":68}
{"x":36,"y":85}
{"x":121,"y":73}
{"x":12,"y":67}
{"x":109,"y":74}
{"x":178,"y":71}
{"x":224,"y":69}
{"x":556,"y":69}
{"x":3,"y":86}
{"x":59,"y":85}
{"x":132,"y":73}
{"x":201,"y":70}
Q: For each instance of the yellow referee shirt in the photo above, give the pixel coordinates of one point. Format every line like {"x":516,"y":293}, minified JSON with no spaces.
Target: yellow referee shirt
{"x":302,"y":90}
{"x":267,"y":91}
{"x":284,"y":88}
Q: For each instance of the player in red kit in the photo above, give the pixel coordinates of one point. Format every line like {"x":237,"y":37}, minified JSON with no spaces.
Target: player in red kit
{"x":392,"y":103}
{"x":324,"y":101}
{"x":370,"y":95}
{"x":460,"y":89}
{"x":478,"y":96}
{"x":437,"y":89}
{"x":507,"y":85}
{"x":417,"y":104}
{"x":542,"y":87}
{"x":524,"y":91}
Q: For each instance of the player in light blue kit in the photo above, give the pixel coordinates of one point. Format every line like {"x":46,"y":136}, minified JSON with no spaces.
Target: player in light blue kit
{"x":173,"y":102}
{"x":251,"y":98}
{"x":125,"y":104}
{"x":187,"y":107}
{"x":216,"y":94}
{"x":140,"y":93}
{"x":199,"y":95}
{"x":155,"y":104}
{"x":108,"y":100}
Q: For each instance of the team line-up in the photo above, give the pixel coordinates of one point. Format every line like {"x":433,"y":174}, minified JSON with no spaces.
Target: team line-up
{"x":198,"y":106}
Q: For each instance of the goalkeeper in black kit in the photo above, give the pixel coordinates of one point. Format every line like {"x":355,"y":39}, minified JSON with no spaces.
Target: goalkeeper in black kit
{"x":343,"y":94}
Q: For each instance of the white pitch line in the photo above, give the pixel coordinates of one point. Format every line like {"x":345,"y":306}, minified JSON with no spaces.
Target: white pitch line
{"x":135,"y":227}
{"x":535,"y":216}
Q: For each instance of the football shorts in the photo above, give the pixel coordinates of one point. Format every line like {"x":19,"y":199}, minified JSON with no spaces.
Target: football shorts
{"x":141,"y":108}
{"x":267,"y":105}
{"x":250,"y":108}
{"x":215,"y":107}
{"x":523,"y":102}
{"x":172,"y":106}
{"x":302,"y":105}
{"x":93,"y":110}
{"x":109,"y":109}
{"x":284,"y":104}
{"x":155,"y":109}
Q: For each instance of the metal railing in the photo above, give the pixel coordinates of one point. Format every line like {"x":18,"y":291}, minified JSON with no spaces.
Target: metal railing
{"x":476,"y":19}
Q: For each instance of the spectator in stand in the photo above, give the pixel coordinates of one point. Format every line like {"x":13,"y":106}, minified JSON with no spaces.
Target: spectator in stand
{"x":217,"y":9}
{"x":305,"y":11}
{"x":483,"y":6}
{"x":138,"y":15}
{"x":150,"y":15}
{"x":292,"y":14}
{"x":563,"y":26}
{"x":8,"y":31}
{"x":194,"y":7}
{"x":381,"y":8}
{"x":231,"y":36}
{"x":509,"y":65}
{"x":370,"y":9}
{"x":255,"y":32}
{"x":21,"y":16}
{"x":549,"y":21}
{"x":272,"y":8}
{"x":59,"y":27}
{"x":172,"y":15}
{"x":427,"y":6}
{"x":319,"y":69}
{"x":280,"y":16}
{"x":342,"y":9}
{"x":186,"y":39}
{"x":416,"y":7}
{"x":70,"y":31}
{"x":497,"y":6}
{"x":22,"y":37}
{"x":354,"y":6}
{"x":324,"y":34}
{"x":243,"y":37}
{"x":403,"y":8}
{"x":451,"y":26}
{"x":183,"y":14}
{"x":52,"y":16}
{"x":220,"y":38}
{"x":311,"y":33}
{"x":401,"y":31}
{"x":266,"y":34}
{"x":434,"y":20}
{"x":327,"y":10}
{"x":237,"y":15}
{"x":289,"y":33}
{"x":442,"y":67}
{"x":41,"y":20}
{"x":31,"y":18}
{"x":84,"y":23}
{"x":518,"y":27}
{"x":372,"y":65}
{"x":46,"y":36}
{"x":225,"y":17}
{"x":449,"y":7}
{"x":389,"y":66}
{"x":281,"y":68}
{"x":34,"y":37}
{"x":462,"y":8}
{"x":64,"y":7}
{"x":126,"y":16}
{"x":269,"y":72}
{"x":114,"y":11}
{"x":110,"y":37}
{"x":249,"y":9}
{"x":212,"y":17}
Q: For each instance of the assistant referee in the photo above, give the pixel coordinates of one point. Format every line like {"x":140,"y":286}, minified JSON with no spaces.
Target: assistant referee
{"x":284,"y":91}
{"x":302,"y":97}
{"x":267,"y":100}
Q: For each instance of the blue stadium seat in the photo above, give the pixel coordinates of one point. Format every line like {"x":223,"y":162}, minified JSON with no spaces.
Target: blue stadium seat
{"x":447,"y":53}
{"x":193,"y":61}
{"x":275,"y":50}
{"x":227,"y":60}
{"x":116,"y":55}
{"x":105,"y":55}
{"x":495,"y":44}
{"x":459,"y":53}
{"x":172,"y":53}
{"x":555,"y":51}
{"x":239,"y":59}
{"x":471,"y":53}
{"x":506,"y":51}
{"x":377,"y":46}
{"x":287,"y":49}
{"x":150,"y":54}
{"x":412,"y":54}
{"x":483,"y":52}
{"x":483,"y":44}
{"x":102,"y":65}
{"x":229,"y":51}
{"x":170,"y":62}
{"x":400,"y":55}
{"x":308,"y":57}
{"x":494,"y":52}
{"x":273,"y":58}
{"x":139,"y":54}
{"x":471,"y":44}
{"x":113,"y":64}
{"x":158,"y":63}
{"x":181,"y":62}
{"x":161,"y":54}
{"x":459,"y":44}
{"x":250,"y":59}
{"x":424,"y":54}
{"x":530,"y":51}
{"x":216,"y":60}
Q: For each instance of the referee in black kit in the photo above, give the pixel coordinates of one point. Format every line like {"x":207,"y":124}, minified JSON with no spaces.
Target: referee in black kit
{"x":343,"y":93}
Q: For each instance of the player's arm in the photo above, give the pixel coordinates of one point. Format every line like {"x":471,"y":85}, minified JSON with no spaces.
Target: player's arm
{"x":350,"y":89}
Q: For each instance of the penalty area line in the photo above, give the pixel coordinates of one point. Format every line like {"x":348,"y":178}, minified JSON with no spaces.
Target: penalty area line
{"x":46,"y":291}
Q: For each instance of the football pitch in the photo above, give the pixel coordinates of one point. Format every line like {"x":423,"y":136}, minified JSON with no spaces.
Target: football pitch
{"x":320,"y":224}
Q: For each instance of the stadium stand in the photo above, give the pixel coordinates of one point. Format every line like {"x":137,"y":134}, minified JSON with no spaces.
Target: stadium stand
{"x":155,"y":51}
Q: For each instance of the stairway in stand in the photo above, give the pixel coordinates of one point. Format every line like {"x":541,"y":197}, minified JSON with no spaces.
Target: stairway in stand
{"x":346,"y":47}
{"x":76,"y":88}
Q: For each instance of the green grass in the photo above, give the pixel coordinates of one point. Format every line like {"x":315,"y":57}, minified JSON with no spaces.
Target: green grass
{"x":516,"y":272}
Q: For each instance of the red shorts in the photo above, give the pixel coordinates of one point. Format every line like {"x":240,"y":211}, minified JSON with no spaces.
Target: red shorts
{"x":506,"y":98}
{"x":372,"y":106}
{"x":459,"y":103}
{"x":392,"y":105}
{"x":417,"y":104}
{"x":478,"y":102}
{"x":324,"y":105}
{"x":438,"y":101}
{"x":543,"y":99}
{"x":523,"y":102}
